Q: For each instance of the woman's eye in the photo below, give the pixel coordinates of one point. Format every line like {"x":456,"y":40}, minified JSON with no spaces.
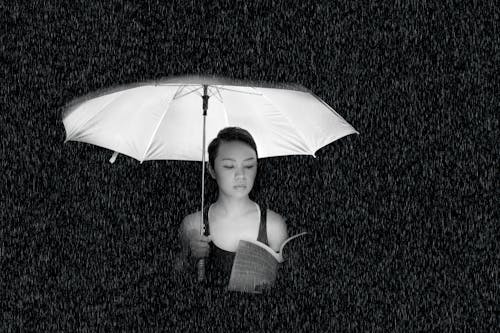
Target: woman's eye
{"x":249,"y":167}
{"x":228,"y":166}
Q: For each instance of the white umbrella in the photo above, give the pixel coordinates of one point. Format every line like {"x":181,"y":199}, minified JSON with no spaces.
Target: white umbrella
{"x":162,"y":120}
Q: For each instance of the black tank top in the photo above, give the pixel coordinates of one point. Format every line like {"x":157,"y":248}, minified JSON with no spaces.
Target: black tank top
{"x":220,"y":262}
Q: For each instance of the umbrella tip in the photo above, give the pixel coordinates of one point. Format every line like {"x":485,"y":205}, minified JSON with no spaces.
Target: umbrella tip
{"x":113,"y":158}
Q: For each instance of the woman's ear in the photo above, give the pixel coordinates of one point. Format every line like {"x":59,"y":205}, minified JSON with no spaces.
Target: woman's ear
{"x":211,"y":170}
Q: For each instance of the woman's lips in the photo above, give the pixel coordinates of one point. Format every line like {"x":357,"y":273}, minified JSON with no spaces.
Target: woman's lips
{"x":240,"y":187}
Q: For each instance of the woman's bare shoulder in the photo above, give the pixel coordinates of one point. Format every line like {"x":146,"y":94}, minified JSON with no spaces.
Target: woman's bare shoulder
{"x":276,"y":229}
{"x":192,"y":221}
{"x":274,"y":217}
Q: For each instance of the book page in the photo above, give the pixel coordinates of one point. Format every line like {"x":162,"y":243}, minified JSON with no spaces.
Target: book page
{"x":289,"y":239}
{"x":277,"y":255}
{"x":254,"y":269}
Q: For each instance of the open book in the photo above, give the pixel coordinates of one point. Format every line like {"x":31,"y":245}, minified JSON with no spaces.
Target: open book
{"x":255,"y":266}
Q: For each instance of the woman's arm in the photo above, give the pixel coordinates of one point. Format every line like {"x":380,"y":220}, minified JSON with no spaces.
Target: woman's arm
{"x":277,"y":231}
{"x":182,"y":257}
{"x":193,"y":245}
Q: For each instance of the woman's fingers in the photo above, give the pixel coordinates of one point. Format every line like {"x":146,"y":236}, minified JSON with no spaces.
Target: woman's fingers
{"x":198,"y":244}
{"x":200,"y":249}
{"x":195,"y":234}
{"x":205,"y":238}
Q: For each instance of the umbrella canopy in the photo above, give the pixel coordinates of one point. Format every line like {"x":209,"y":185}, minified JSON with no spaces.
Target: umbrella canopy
{"x":162,"y":120}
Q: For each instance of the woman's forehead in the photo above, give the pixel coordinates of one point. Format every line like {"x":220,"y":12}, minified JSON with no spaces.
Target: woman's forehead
{"x":235,"y":150}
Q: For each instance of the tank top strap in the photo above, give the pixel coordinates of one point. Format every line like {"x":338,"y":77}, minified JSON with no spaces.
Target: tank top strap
{"x":263,"y":225}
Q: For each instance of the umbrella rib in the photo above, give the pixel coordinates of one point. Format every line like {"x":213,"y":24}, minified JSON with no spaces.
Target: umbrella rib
{"x":240,"y":91}
{"x":226,"y":118}
{"x":156,"y":129}
{"x":291,"y":124}
{"x":178,"y":95}
{"x":217,"y":93}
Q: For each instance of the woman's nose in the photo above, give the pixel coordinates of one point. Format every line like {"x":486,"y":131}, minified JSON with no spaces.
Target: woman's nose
{"x":240,"y":172}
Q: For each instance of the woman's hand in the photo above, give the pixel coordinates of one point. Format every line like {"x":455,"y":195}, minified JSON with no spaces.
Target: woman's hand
{"x":198,"y":244}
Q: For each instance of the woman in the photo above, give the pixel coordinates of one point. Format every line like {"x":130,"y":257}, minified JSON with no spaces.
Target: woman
{"x":234,"y":216}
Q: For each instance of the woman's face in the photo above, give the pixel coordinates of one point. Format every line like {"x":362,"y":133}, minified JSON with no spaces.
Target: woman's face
{"x":235,"y":167}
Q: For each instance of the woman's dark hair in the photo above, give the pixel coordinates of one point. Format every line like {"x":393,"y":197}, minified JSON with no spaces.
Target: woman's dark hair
{"x":229,"y":134}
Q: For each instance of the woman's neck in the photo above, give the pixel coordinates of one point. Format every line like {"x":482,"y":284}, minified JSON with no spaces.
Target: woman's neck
{"x":230,"y":206}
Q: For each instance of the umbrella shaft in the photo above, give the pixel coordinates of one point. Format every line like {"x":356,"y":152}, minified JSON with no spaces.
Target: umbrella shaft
{"x":205,"y":102}
{"x":201,"y":262}
{"x":205,"y":108}
{"x":203,"y":176}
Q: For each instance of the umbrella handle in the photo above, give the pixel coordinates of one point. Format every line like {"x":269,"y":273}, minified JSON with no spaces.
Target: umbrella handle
{"x":201,"y":269}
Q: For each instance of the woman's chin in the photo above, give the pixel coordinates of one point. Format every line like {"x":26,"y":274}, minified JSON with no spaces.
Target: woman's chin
{"x":237,"y":191}
{"x":240,"y":192}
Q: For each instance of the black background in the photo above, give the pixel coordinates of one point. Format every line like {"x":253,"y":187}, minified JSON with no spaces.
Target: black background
{"x":403,"y":216}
